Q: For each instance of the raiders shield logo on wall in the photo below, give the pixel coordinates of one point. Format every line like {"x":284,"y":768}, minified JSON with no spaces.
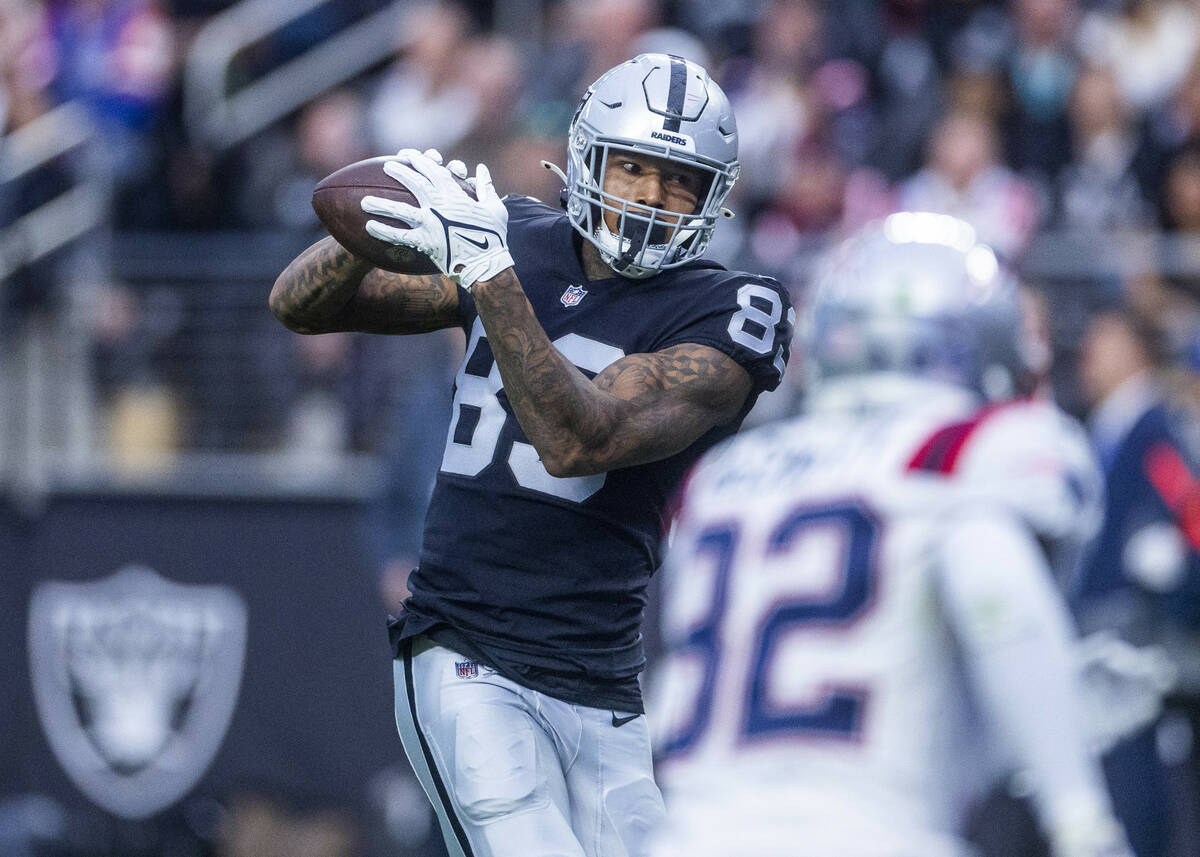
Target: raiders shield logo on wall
{"x":135,"y":679}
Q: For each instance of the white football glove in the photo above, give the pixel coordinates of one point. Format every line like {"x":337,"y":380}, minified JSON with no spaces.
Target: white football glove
{"x":1088,"y":832}
{"x":457,"y":167}
{"x":1121,"y":687}
{"x":467,"y":239}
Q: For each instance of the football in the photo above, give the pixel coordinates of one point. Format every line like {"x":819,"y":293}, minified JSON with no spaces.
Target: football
{"x":337,"y":198}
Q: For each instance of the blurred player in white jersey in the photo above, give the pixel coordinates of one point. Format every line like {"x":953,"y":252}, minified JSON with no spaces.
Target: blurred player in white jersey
{"x":859,"y":606}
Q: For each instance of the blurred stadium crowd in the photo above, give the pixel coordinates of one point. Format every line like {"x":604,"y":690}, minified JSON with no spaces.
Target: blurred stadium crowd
{"x":1066,"y":131}
{"x":1029,"y":118}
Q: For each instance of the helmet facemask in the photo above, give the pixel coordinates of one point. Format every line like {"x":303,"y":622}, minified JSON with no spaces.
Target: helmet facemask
{"x":647,"y":239}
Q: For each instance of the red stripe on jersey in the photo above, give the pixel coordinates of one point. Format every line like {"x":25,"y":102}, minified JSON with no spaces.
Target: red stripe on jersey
{"x":1172,"y":479}
{"x":942,"y":451}
{"x":934,"y":453}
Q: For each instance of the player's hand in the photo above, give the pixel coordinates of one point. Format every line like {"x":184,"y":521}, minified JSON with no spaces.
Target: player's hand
{"x":1095,"y":837}
{"x":456,"y":167}
{"x":1121,"y":687}
{"x":466,"y":238}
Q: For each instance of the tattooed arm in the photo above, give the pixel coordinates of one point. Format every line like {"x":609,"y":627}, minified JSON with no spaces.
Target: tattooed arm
{"x":642,"y":408}
{"x":326,"y":288}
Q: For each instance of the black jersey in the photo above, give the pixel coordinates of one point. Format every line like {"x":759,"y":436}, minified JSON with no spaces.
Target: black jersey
{"x":544,"y":578}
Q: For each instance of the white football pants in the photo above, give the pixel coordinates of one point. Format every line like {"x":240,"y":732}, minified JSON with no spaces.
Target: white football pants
{"x":516,"y":773}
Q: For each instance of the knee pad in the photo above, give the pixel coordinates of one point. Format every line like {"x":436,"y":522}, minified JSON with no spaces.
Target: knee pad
{"x":635,"y":810}
{"x":495,"y":765}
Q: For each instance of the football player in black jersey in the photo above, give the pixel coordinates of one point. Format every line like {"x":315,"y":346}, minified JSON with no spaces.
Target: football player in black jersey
{"x":604,"y":356}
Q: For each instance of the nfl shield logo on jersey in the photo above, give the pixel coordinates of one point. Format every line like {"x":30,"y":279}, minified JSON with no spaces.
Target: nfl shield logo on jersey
{"x":573,"y":295}
{"x":135,"y":679}
{"x":466,"y":669}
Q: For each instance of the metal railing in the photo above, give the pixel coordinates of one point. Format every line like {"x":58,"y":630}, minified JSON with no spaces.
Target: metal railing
{"x":221,"y":118}
{"x":199,"y":391}
{"x":62,"y":220}
{"x":45,"y":371}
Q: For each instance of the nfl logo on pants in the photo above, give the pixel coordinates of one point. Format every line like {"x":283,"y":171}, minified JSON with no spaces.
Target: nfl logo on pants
{"x":466,"y":669}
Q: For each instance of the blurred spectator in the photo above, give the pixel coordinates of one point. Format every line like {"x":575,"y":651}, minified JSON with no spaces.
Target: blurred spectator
{"x":518,"y":167}
{"x":449,"y":90}
{"x":963,"y":177}
{"x":1038,"y":336}
{"x":1121,"y":354}
{"x":1149,"y":44}
{"x":908,"y":88}
{"x":583,"y":39}
{"x":802,"y":117}
{"x":317,"y":428}
{"x":117,"y":58}
{"x":672,"y":40}
{"x":282,"y":168}
{"x":721,"y":23}
{"x":338,"y":394}
{"x":424,"y":99}
{"x":978,"y":92}
{"x":1185,"y":384}
{"x":606,"y":31}
{"x":493,"y":69}
{"x":1142,"y":574}
{"x":1040,"y":70}
{"x":142,"y":415}
{"x":1171,"y":128}
{"x":24,"y":78}
{"x":1181,"y":191}
{"x":771,"y":98}
{"x":805,"y":207}
{"x":1099,"y":189}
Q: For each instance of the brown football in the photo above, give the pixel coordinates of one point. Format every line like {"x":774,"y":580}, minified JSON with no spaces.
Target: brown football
{"x":337,"y":198}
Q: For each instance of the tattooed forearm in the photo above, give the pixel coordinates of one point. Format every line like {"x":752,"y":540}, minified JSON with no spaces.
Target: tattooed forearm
{"x":671,"y":398}
{"x":642,"y":408}
{"x":326,"y":288}
{"x":549,"y":396}
{"x":314,"y":289}
{"x":403,"y":303}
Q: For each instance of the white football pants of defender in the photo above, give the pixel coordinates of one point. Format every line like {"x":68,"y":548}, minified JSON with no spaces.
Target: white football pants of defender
{"x":516,"y":773}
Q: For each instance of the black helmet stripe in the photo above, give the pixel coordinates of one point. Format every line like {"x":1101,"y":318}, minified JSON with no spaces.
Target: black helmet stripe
{"x":676,"y":94}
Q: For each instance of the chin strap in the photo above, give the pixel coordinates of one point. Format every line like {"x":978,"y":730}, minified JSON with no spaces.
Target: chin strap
{"x":635,"y":233}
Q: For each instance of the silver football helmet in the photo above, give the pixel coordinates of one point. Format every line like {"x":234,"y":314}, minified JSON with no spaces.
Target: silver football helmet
{"x":917,"y":294}
{"x":666,"y":107}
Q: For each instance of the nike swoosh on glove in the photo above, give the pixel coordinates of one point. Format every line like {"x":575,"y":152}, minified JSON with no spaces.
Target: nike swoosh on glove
{"x":466,"y":238}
